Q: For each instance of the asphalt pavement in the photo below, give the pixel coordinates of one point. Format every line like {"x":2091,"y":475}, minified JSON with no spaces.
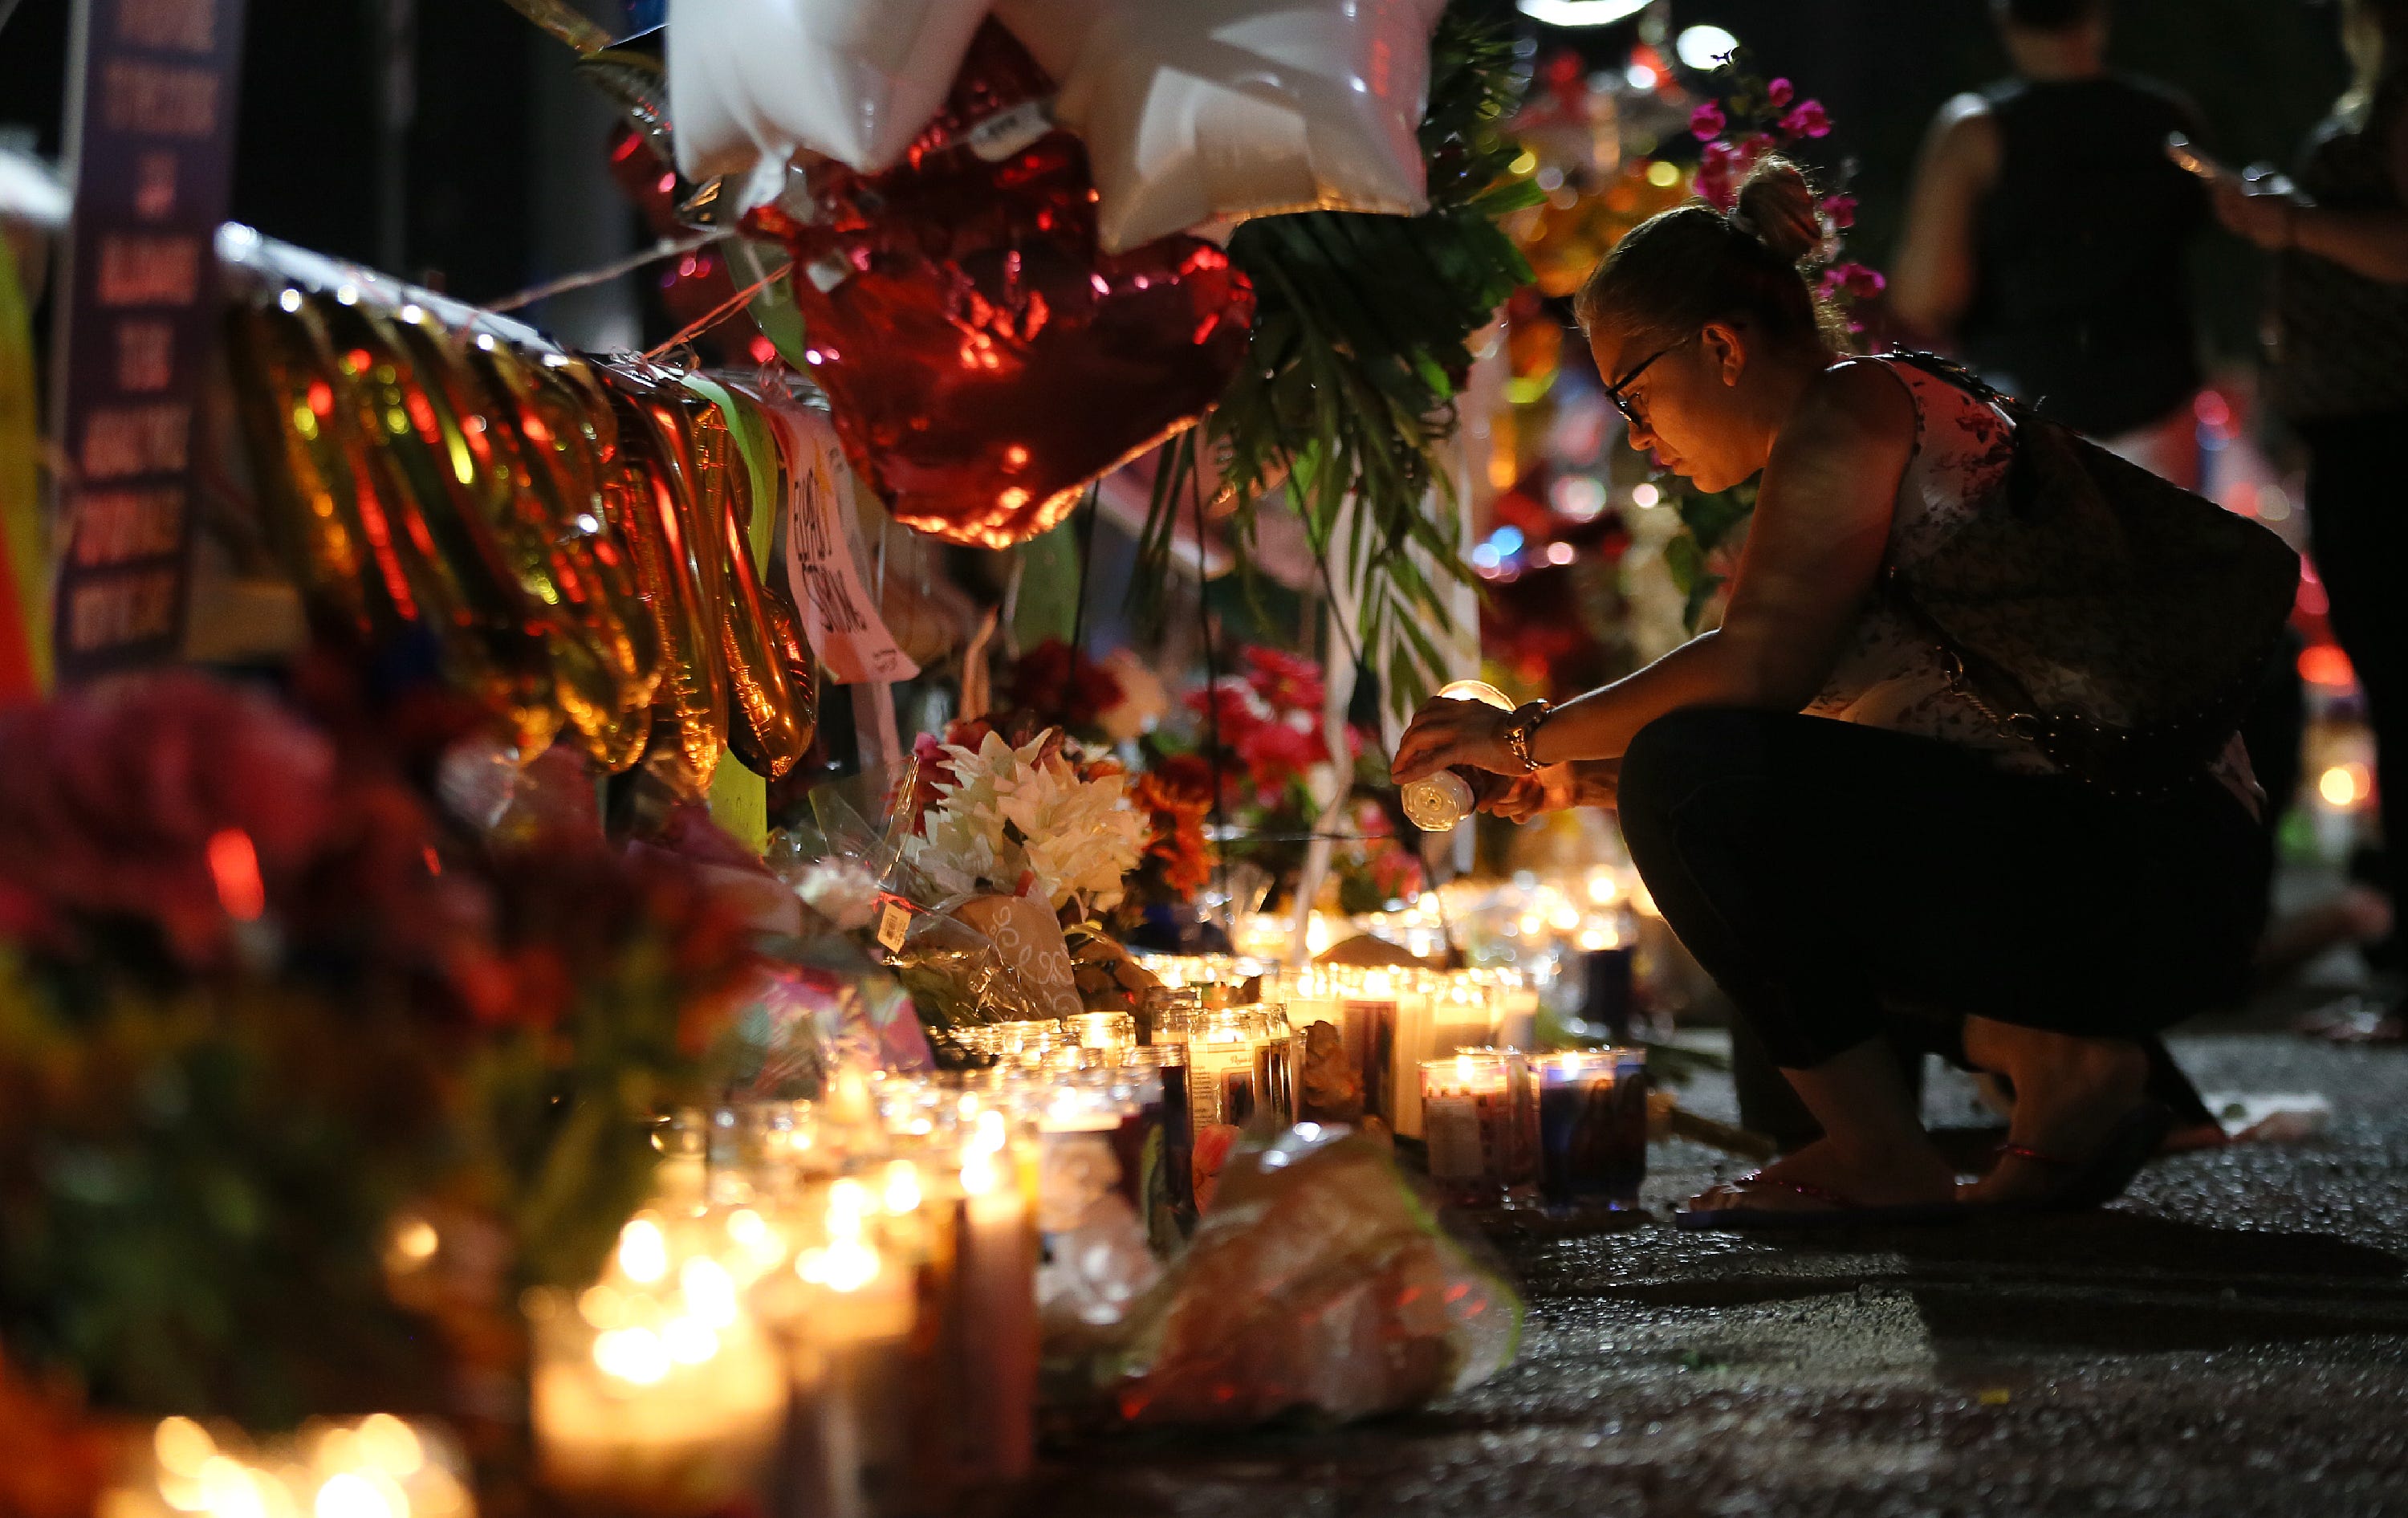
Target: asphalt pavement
{"x":2229,"y":1339}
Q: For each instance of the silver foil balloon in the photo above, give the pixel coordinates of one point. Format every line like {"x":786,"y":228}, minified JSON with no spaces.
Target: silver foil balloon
{"x":1205,"y":112}
{"x":753,"y":80}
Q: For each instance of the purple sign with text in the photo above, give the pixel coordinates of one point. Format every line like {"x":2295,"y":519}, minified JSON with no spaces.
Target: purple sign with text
{"x":150,"y":151}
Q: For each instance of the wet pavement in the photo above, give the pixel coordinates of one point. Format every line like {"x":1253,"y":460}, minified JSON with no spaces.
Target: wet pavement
{"x":2231,"y":1339}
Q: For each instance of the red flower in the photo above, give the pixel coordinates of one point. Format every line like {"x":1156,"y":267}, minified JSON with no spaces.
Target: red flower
{"x":1396,"y":874}
{"x":1839,"y":212}
{"x":110,"y":797}
{"x":578,"y":913}
{"x":1808,"y":120}
{"x":1707,"y":121}
{"x":1284,"y":682}
{"x":1275,"y":753}
{"x":1230,"y":712}
{"x":1188,"y":775}
{"x":1779,"y":94}
{"x":1060,"y":685}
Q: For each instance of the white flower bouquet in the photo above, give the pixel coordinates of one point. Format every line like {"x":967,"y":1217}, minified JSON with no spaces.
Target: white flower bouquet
{"x":1025,"y":822}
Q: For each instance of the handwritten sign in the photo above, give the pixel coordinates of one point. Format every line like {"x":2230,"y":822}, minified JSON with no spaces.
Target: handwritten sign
{"x":824,"y":555}
{"x":150,"y":151}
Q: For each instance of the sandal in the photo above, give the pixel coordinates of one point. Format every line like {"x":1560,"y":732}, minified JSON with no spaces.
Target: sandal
{"x":2095,"y":1181}
{"x":1845,"y":1211}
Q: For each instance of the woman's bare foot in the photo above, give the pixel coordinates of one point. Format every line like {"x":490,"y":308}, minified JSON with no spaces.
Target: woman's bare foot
{"x":2069,"y":1094}
{"x":1808,"y":1179}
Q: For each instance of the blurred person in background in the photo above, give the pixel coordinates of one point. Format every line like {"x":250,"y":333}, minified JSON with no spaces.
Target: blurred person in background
{"x":2339,"y":376}
{"x":2045,"y":244}
{"x":2046,"y":235}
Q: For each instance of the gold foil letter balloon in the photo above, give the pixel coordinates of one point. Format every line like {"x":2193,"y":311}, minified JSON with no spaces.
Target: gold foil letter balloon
{"x":767,"y":729}
{"x":982,"y":360}
{"x":436,"y":558}
{"x":680,"y":559}
{"x":1202,"y":111}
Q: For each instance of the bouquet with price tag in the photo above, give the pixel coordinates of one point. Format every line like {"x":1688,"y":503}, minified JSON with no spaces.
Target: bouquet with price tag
{"x":988,"y":849}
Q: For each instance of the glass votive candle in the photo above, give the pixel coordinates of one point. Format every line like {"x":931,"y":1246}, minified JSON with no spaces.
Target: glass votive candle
{"x":380,"y":1464}
{"x":1164,"y":1009}
{"x":1221,"y":1070}
{"x":655,"y":1389}
{"x":1167,"y":1184}
{"x":1467,"y":1123}
{"x":1522,"y":1151}
{"x":1369,"y":1013}
{"x":1592,"y":1127}
{"x":1105,"y":1030}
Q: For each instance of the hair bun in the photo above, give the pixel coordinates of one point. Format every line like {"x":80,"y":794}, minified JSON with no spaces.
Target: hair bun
{"x":1776,"y":207}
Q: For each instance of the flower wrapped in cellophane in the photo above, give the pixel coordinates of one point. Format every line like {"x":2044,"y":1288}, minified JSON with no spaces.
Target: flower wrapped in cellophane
{"x":1031,"y":821}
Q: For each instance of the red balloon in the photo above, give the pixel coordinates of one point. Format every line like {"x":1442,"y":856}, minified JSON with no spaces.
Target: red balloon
{"x":983,"y":360}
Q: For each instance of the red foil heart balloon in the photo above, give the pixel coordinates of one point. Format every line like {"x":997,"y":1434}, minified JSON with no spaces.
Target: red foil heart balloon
{"x":982,"y":359}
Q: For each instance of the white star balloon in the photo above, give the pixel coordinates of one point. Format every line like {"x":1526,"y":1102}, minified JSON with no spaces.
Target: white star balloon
{"x":1199,"y":112}
{"x":752,"y":81}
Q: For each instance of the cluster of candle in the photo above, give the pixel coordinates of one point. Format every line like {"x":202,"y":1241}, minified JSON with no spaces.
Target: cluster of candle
{"x":1521,"y":920}
{"x":1391,"y":1020}
{"x":1570,"y":1128}
{"x":828,"y":1306}
{"x":1437,"y":1055}
{"x":1528,"y":917}
{"x":377,"y":1467}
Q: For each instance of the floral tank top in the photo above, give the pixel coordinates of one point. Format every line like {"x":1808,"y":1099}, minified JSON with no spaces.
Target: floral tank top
{"x":1890,"y":673}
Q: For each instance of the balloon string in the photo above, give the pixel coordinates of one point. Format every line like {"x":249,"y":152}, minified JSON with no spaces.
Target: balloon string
{"x":718,"y":314}
{"x":665,"y":247}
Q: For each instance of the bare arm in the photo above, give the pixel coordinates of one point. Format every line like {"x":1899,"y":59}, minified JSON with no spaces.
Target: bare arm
{"x":1932,"y":284}
{"x":1822,"y":524}
{"x":2373,"y":243}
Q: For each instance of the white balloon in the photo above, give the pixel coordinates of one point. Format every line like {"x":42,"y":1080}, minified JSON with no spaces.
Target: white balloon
{"x":1053,"y":30}
{"x":752,"y":81}
{"x":1204,"y":111}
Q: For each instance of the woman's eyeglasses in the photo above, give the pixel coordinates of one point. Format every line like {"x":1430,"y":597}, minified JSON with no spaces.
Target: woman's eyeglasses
{"x":1624,"y":404}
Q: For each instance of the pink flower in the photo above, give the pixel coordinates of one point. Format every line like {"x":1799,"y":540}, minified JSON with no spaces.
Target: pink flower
{"x":1809,"y":120}
{"x":1719,"y":172}
{"x":1707,"y":121}
{"x":1779,"y":94}
{"x":1853,"y":281}
{"x":1839,"y":212}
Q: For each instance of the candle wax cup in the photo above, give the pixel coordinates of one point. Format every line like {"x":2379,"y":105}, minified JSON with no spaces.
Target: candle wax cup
{"x":1137,"y":1143}
{"x":1369,"y":1031}
{"x":1467,"y":1113}
{"x":1452,"y":1125}
{"x":1208,"y":1065}
{"x":698,"y":1438}
{"x":1275,"y":1077}
{"x":1237,"y":1095}
{"x":995,"y":1338}
{"x":1592,"y":1136}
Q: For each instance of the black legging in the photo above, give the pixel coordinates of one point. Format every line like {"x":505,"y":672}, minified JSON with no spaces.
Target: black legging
{"x":2358,"y":532}
{"x":1819,"y":869}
